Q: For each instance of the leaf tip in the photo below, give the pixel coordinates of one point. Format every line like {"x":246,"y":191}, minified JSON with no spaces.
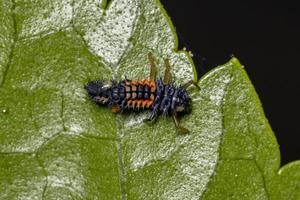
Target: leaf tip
{"x":236,"y":62}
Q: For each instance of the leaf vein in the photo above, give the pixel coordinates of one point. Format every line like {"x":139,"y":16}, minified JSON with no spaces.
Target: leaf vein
{"x":45,"y":174}
{"x":255,"y":158}
{"x":44,"y":33}
{"x":121,"y":170}
{"x":62,"y":111}
{"x":136,"y":20}
{"x":15,"y":39}
{"x":73,"y":26}
{"x":99,"y":138}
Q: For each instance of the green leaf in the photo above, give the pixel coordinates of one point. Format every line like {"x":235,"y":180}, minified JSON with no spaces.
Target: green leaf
{"x":56,"y":144}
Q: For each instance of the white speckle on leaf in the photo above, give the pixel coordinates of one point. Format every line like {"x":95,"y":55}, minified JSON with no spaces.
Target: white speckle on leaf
{"x":45,"y":20}
{"x":110,"y":38}
{"x":76,"y":129}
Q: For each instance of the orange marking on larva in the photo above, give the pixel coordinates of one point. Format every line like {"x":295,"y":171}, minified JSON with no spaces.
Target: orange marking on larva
{"x":152,"y":86}
{"x":134,"y":103}
{"x":139,"y":103}
{"x":141,"y":82}
{"x":153,"y":89}
{"x":152,"y":83}
{"x":127,"y":82}
{"x":144,"y":82}
{"x":129,"y":102}
{"x":134,"y":82}
{"x":144,"y":103}
{"x":115,"y":109}
{"x":148,"y":83}
{"x":149,"y":103}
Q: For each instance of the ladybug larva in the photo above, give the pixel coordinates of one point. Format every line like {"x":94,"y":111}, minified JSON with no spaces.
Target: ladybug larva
{"x":160,"y":96}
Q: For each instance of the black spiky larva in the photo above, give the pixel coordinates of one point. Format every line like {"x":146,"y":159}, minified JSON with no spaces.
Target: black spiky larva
{"x":160,"y":96}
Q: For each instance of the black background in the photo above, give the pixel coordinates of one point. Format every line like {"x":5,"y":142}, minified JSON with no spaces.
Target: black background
{"x":265,"y":37}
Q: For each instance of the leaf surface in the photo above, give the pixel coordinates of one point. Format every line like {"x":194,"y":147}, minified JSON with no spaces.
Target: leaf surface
{"x":54,"y":143}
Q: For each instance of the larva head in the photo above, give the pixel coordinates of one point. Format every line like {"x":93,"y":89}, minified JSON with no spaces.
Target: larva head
{"x":99,"y":91}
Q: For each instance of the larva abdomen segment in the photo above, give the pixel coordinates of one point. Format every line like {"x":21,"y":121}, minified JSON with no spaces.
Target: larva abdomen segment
{"x":140,"y":94}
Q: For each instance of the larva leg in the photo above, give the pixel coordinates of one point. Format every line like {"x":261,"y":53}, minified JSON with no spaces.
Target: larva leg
{"x":167,"y":75}
{"x":177,"y":124}
{"x":189,"y":83}
{"x":152,"y":67}
{"x":123,"y":105}
{"x":152,"y":117}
